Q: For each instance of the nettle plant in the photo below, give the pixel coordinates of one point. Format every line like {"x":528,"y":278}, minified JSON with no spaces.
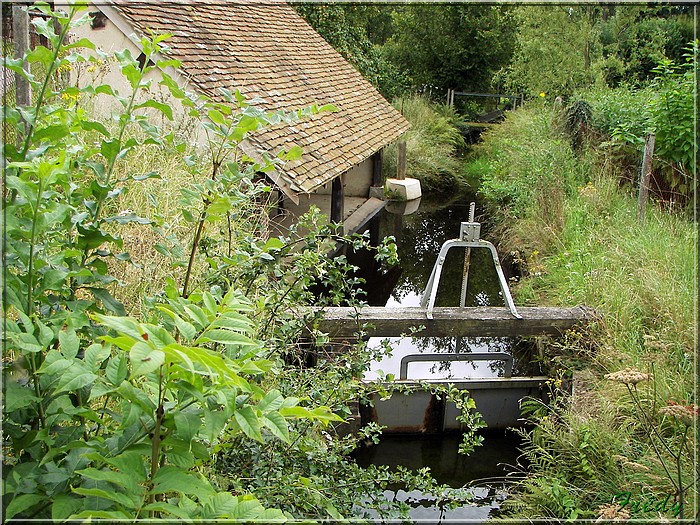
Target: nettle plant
{"x":107,"y":416}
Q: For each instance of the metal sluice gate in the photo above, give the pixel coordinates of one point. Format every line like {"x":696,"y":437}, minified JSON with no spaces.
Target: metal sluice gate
{"x":496,"y":398}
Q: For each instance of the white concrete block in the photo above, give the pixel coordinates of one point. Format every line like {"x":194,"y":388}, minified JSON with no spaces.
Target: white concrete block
{"x":406,"y":189}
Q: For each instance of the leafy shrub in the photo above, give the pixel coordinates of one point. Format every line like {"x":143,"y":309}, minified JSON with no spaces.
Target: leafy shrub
{"x":665,"y":107}
{"x":121,"y":418}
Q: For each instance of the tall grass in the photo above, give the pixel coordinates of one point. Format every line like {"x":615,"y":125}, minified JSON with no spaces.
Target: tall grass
{"x":159,"y":201}
{"x":433,"y":144}
{"x":575,"y":229}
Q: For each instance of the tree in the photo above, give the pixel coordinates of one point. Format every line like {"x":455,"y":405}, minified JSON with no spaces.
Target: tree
{"x":451,"y":46}
{"x":355,"y":32}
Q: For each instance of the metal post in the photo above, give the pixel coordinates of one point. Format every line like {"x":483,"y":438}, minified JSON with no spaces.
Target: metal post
{"x":467,"y":261}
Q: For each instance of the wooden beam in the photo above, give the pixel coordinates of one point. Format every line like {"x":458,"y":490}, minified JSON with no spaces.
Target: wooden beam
{"x":337,"y":200}
{"x":341,"y":322}
{"x":401,"y":161}
{"x":377,"y":179}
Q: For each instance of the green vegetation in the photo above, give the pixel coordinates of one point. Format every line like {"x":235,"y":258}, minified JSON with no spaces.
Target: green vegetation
{"x":160,"y":359}
{"x":217,"y":398}
{"x":433,"y":144}
{"x":573,"y":227}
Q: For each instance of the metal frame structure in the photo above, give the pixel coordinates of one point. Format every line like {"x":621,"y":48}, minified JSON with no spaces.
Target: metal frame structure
{"x":473,"y":356}
{"x":468,"y":238}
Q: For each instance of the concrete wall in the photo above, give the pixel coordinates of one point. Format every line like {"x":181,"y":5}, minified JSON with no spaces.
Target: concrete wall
{"x":356,"y":181}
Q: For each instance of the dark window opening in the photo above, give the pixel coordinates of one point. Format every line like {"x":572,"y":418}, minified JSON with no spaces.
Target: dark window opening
{"x":99,"y":20}
{"x":142,"y":61}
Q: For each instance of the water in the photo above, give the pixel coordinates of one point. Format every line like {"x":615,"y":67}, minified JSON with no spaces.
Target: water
{"x":419,"y":238}
{"x":482,"y":474}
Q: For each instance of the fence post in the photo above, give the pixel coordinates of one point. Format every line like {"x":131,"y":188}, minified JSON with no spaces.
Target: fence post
{"x":645,"y":176}
{"x":20,"y":30}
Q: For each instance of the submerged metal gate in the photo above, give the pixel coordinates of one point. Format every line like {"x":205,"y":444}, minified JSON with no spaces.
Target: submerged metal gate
{"x":497,"y":399}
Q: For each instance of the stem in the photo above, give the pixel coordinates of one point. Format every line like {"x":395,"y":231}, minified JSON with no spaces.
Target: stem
{"x":45,"y":85}
{"x":681,"y":489}
{"x":37,"y":391}
{"x":30,"y":271}
{"x":198,"y":232}
{"x":652,"y":430}
{"x":113,"y":162}
{"x":155,"y":440}
{"x":193,"y":252}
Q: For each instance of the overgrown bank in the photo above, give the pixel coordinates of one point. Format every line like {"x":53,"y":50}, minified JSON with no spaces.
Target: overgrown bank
{"x":571,"y":222}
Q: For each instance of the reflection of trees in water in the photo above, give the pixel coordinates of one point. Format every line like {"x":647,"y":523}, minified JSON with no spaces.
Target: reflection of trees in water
{"x":464,"y":345}
{"x":422,"y":237}
{"x":419,"y":241}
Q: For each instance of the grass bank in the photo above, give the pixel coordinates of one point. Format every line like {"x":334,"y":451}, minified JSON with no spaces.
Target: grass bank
{"x":572,"y":225}
{"x":433,"y":144}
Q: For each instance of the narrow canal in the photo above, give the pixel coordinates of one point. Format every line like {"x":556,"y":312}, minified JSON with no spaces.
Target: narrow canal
{"x":484,"y":473}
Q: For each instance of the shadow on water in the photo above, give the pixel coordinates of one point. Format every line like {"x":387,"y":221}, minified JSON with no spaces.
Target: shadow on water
{"x":420,"y":236}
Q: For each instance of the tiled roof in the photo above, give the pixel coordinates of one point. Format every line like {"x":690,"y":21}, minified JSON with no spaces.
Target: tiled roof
{"x":269,"y":51}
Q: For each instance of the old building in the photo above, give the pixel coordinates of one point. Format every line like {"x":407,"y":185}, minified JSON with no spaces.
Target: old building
{"x":268,"y":51}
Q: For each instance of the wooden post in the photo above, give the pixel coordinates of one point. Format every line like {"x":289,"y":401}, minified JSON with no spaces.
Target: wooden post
{"x":20,"y":29}
{"x":377,"y":168}
{"x":337,"y":201}
{"x":645,"y":176}
{"x":401,"y":163}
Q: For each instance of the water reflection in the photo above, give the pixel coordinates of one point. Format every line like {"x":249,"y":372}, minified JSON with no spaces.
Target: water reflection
{"x":419,"y":238}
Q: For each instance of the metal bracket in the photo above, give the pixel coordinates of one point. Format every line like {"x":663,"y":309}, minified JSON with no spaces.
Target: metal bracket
{"x":474,"y":356}
{"x":469,"y":238}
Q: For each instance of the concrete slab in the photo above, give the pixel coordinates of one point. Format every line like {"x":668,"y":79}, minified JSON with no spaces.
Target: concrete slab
{"x":403,"y":189}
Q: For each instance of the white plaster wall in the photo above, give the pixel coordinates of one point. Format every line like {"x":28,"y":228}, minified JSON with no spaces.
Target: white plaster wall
{"x":110,"y":39}
{"x":356,"y":181}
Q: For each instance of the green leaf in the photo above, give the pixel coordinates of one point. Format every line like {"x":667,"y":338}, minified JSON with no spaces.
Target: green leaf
{"x":295,"y":412}
{"x":174,"y":479}
{"x":109,"y":302}
{"x":187,"y":330}
{"x":63,"y":506}
{"x":249,"y":422}
{"x":23,"y":502}
{"x":95,"y":355}
{"x":168,"y":509}
{"x":277,"y":425}
{"x":145,"y":359}
{"x":229,"y":337}
{"x":293,"y":153}
{"x":104,"y":514}
{"x":113,"y":495}
{"x":123,"y":325}
{"x":17,"y":396}
{"x":74,"y":378}
{"x":68,"y":341}
{"x":273,"y":400}
{"x":197,"y":315}
{"x":214,"y":423}
{"x":187,"y":425}
{"x":136,"y":396}
{"x":26,"y":342}
{"x":165,"y":109}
